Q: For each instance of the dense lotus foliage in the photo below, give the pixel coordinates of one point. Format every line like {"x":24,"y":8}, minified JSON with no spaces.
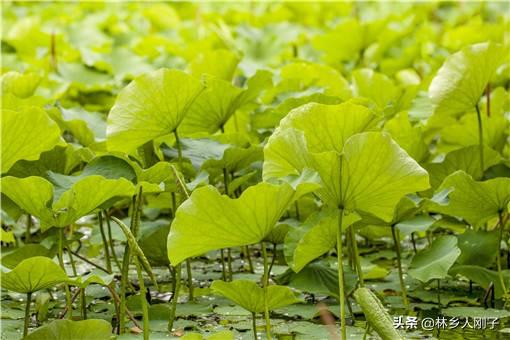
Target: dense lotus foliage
{"x":253,"y":170}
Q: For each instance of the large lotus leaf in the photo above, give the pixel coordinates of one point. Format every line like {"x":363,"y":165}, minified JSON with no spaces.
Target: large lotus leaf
{"x":483,"y":276}
{"x":220,"y":100}
{"x":151,"y":106}
{"x":465,"y":131}
{"x":32,"y":194}
{"x":409,"y":137}
{"x":327,"y":127}
{"x":26,"y":134}
{"x":219,"y":63}
{"x":236,"y":158}
{"x":316,"y":236}
{"x":285,"y":153}
{"x":479,"y":247}
{"x":91,"y":329}
{"x":466,"y":159}
{"x":97,"y":276}
{"x":376,"y":174}
{"x":288,"y":149}
{"x":21,"y":85}
{"x":461,"y":80}
{"x":60,"y":159}
{"x":318,"y":278}
{"x":476,"y":202}
{"x":11,"y":259}
{"x":57,"y":208}
{"x":405,"y":209}
{"x":250,"y":296}
{"x":209,"y":220}
{"x":33,"y":274}
{"x":342,"y":42}
{"x":297,"y":77}
{"x":86,"y":126}
{"x":375,"y":86}
{"x":434,"y":262}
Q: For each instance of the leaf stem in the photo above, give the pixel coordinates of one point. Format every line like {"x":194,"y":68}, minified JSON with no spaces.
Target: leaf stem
{"x":143,"y":300}
{"x":69,"y":303}
{"x":110,"y":240}
{"x":498,"y":255}
{"x":190,"y":280}
{"x":175,"y":298}
{"x":265,"y":283}
{"x":396,"y":241}
{"x":83,"y":303}
{"x":341,"y":288}
{"x":27,"y":314}
{"x":178,"y":145}
{"x":105,"y":242}
{"x":480,"y":136}
{"x":254,"y":325}
{"x":28,"y":234}
{"x":357,"y":260}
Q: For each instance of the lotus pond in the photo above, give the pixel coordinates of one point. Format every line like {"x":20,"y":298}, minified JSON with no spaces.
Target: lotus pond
{"x":242,"y":170}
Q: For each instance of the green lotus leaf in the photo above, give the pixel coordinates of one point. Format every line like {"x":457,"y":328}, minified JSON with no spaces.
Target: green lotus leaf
{"x":479,"y":247}
{"x":218,"y":63}
{"x":250,"y":296}
{"x":461,"y":80}
{"x":26,"y":134}
{"x":409,"y":137}
{"x":466,"y":159}
{"x":60,"y":159}
{"x":59,"y":208}
{"x":96,"y":329}
{"x":299,"y":77}
{"x":327,"y":127}
{"x":475,"y":202}
{"x":33,"y":274}
{"x":219,"y":101}
{"x":12,"y":258}
{"x":316,"y":236}
{"x":376,"y":174}
{"x":97,"y":276}
{"x":483,"y":276}
{"x":220,"y":222}
{"x":342,"y":42}
{"x":465,"y":131}
{"x":153,"y":241}
{"x":367,"y":172}
{"x":153,"y":105}
{"x":87,"y":127}
{"x":236,"y":158}
{"x":22,"y":85}
{"x":435,"y":261}
{"x":375,"y":86}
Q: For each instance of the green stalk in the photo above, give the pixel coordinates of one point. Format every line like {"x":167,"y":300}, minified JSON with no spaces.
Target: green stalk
{"x":265,"y":283}
{"x":248,"y":256}
{"x":27,"y":314}
{"x":223,"y":270}
{"x":254,"y":324}
{"x":396,"y":242}
{"x":178,"y":145}
{"x":498,"y":256}
{"x":83,"y":304}
{"x":105,"y":242}
{"x":341,"y":288}
{"x":69,"y":302}
{"x":110,"y":240}
{"x":143,"y":300}
{"x":28,"y":234}
{"x":229,"y":264}
{"x":190,"y":280}
{"x":175,"y":297}
{"x":356,"y":256}
{"x":124,"y":275}
{"x":480,"y":135}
